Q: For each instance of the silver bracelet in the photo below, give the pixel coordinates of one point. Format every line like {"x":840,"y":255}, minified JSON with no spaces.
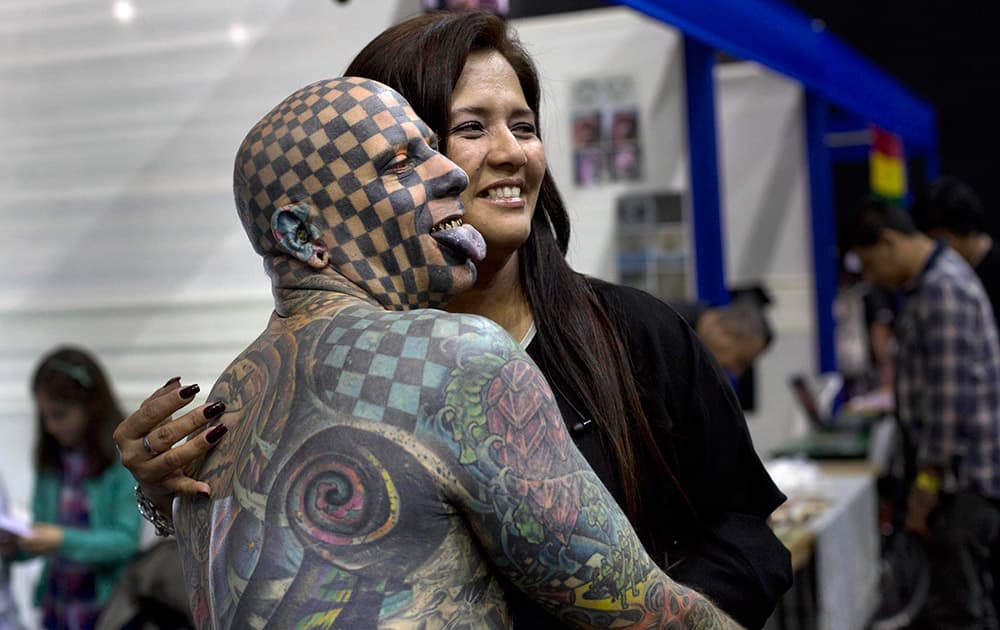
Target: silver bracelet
{"x":162,"y":525}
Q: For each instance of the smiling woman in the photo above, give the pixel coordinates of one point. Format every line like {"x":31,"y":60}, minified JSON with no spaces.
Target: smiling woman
{"x":493,"y":137}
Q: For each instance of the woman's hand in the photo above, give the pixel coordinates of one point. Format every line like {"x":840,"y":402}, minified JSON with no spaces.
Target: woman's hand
{"x":146,"y":440}
{"x":44,"y":539}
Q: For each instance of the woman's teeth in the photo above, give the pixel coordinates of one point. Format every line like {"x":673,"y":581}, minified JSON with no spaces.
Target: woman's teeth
{"x":447,"y":225}
{"x":506,"y":192}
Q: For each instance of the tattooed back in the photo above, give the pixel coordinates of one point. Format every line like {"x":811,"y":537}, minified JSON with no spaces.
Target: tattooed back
{"x":334,"y":494}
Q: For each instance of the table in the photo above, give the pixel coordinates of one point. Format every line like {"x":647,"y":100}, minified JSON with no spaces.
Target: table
{"x":835,"y":554}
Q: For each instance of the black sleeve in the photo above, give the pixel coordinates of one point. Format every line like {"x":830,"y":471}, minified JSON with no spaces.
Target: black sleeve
{"x":729,"y":552}
{"x":690,"y":311}
{"x":988,"y":271}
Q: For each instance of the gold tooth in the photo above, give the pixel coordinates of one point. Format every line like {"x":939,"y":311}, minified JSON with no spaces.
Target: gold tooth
{"x":450,"y":225}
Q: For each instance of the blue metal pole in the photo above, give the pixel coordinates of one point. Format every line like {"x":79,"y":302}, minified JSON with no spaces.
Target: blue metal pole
{"x":783,"y":38}
{"x":824,"y":229}
{"x":932,"y":167}
{"x":706,"y":219}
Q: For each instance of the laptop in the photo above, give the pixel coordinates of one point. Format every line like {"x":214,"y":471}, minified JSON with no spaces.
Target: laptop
{"x":832,"y":436}
{"x":820,"y":416}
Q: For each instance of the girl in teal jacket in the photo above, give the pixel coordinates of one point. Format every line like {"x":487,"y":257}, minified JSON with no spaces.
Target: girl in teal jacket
{"x":86,"y":523}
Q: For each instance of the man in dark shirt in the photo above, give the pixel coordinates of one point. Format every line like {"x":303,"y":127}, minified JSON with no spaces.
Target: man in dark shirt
{"x":952,"y":211}
{"x":735,"y":333}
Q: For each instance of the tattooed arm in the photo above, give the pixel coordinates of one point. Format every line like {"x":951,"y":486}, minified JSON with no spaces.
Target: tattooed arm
{"x":539,"y":511}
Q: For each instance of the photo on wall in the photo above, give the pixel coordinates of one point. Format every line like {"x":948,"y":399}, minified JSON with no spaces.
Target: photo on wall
{"x":588,"y":153}
{"x":605,"y":131}
{"x":624,"y":152}
{"x":499,"y":7}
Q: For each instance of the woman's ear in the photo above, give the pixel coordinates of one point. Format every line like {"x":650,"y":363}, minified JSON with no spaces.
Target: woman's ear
{"x":297,"y":236}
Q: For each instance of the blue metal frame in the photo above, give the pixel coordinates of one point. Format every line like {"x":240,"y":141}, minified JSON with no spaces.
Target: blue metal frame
{"x":784,"y":39}
{"x":824,"y":229}
{"x":706,"y":209}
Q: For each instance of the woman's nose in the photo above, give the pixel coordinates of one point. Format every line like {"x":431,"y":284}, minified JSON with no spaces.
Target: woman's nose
{"x":506,"y":149}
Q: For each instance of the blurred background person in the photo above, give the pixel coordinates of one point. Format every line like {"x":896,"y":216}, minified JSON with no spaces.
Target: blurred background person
{"x":947,"y":393}
{"x":951,"y":210}
{"x":864,"y":314}
{"x":86,"y":525}
{"x":735,"y":333}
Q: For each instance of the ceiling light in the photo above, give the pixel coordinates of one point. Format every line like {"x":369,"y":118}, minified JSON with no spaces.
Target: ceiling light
{"x":238,"y":34}
{"x":123,"y":10}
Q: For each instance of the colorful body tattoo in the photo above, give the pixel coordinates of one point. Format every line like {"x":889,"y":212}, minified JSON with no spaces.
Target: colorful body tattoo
{"x":384,"y":468}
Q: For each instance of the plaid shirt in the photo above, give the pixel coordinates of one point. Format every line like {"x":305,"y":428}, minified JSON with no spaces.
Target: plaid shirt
{"x":70,"y":599}
{"x":948,"y":374}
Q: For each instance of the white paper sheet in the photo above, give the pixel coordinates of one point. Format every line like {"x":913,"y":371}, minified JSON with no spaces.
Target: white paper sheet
{"x":15,"y":526}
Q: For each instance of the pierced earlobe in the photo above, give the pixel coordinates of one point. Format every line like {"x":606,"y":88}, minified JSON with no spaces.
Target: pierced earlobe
{"x":297,"y":237}
{"x":320,"y":258}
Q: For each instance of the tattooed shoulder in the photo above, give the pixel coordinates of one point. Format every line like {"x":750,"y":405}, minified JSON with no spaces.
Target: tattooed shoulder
{"x":336,"y":505}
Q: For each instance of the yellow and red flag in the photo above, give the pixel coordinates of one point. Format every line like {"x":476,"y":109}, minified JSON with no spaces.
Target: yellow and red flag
{"x":887,"y":165}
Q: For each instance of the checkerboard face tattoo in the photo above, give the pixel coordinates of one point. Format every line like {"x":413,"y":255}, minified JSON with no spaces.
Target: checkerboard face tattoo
{"x":343,"y":174}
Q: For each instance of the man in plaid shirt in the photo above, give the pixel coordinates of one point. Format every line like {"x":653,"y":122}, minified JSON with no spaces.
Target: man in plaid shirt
{"x":948,"y":400}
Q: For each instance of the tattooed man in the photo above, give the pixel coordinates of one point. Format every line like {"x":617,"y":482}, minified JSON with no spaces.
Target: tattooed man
{"x":387,"y":464}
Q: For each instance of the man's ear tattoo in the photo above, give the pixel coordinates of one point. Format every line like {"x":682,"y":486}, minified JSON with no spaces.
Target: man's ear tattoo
{"x":297,"y":236}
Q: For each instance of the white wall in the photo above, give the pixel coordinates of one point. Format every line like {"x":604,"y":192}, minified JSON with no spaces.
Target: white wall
{"x":765,"y":196}
{"x":597,"y":44}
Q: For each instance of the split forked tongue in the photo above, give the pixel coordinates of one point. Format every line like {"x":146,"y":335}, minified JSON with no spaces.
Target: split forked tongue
{"x":463,"y":238}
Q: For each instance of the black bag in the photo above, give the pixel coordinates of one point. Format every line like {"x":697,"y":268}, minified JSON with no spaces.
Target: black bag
{"x":150,"y":594}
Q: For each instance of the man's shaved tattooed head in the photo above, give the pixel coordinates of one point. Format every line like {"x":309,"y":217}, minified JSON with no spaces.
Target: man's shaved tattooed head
{"x":343,"y":175}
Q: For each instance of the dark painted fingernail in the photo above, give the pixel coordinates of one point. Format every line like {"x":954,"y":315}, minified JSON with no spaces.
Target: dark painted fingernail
{"x":214,"y":410}
{"x":172,"y":381}
{"x":189,"y":391}
{"x":204,"y":495}
{"x":215,"y":433}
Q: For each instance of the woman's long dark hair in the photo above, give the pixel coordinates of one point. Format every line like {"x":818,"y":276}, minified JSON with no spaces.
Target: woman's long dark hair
{"x":72,"y":376}
{"x":422,"y":58}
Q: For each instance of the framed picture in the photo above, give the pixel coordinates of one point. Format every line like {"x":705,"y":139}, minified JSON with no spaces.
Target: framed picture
{"x":499,"y":7}
{"x":605,"y":132}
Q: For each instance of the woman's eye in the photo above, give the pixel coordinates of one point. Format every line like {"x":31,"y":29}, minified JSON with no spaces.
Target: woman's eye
{"x":471,"y":127}
{"x":524,"y":129}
